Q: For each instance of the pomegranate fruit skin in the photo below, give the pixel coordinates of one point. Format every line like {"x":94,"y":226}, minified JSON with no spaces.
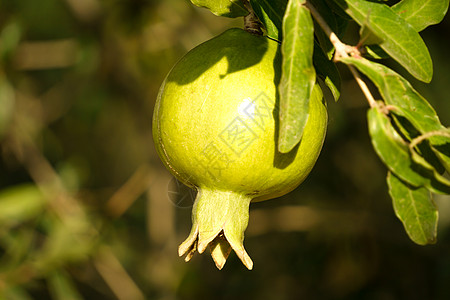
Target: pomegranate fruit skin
{"x":215,"y":128}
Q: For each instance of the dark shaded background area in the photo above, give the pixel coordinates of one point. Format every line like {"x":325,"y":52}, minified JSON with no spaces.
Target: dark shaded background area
{"x":87,"y":211}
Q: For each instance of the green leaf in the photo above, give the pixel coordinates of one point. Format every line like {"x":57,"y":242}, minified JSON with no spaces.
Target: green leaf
{"x":421,"y":13}
{"x":298,"y":75}
{"x":20,"y":203}
{"x":394,"y":152}
{"x":418,"y":159}
{"x":416,"y":209}
{"x":327,"y":71}
{"x":223,"y":8}
{"x":270,"y":13}
{"x":438,"y":143}
{"x":398,"y":93}
{"x":418,"y":142}
{"x":400,"y":40}
{"x":375,"y":51}
{"x":367,"y":37}
{"x":441,"y":147}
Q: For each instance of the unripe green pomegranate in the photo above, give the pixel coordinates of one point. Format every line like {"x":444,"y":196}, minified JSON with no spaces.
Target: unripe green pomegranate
{"x":215,"y":128}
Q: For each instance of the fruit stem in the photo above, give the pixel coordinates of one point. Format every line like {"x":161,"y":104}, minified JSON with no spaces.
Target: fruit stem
{"x":219,"y":219}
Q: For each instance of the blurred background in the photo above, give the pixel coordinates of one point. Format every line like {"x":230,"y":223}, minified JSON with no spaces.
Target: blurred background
{"x":88,"y":211}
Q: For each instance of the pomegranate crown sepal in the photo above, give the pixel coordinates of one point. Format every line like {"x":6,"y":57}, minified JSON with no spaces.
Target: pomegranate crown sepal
{"x":219,"y":219}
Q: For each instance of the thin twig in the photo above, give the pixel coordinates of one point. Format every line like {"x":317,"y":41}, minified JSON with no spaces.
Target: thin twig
{"x":129,"y":192}
{"x":342,"y":50}
{"x":363,"y":86}
{"x":427,"y":135}
{"x":115,"y":276}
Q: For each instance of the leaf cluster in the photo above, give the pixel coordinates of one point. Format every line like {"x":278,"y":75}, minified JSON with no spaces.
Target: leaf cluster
{"x":405,"y":130}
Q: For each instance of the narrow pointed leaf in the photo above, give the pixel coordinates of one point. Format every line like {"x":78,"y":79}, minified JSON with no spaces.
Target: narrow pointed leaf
{"x":441,"y":147}
{"x":421,"y":13}
{"x":327,"y":71}
{"x":391,"y":148}
{"x":420,"y":160}
{"x":270,"y":13}
{"x":398,"y":92}
{"x":400,"y":40}
{"x":223,"y":8}
{"x":423,"y":147}
{"x":298,"y":74}
{"x":375,"y":51}
{"x":394,"y":152}
{"x":406,"y":102}
{"x":416,"y":209}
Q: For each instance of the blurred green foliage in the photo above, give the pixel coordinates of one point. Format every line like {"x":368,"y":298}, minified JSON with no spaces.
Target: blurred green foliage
{"x":87,"y":211}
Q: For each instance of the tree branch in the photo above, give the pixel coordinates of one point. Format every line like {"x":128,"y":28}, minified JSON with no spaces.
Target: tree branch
{"x":342,"y":50}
